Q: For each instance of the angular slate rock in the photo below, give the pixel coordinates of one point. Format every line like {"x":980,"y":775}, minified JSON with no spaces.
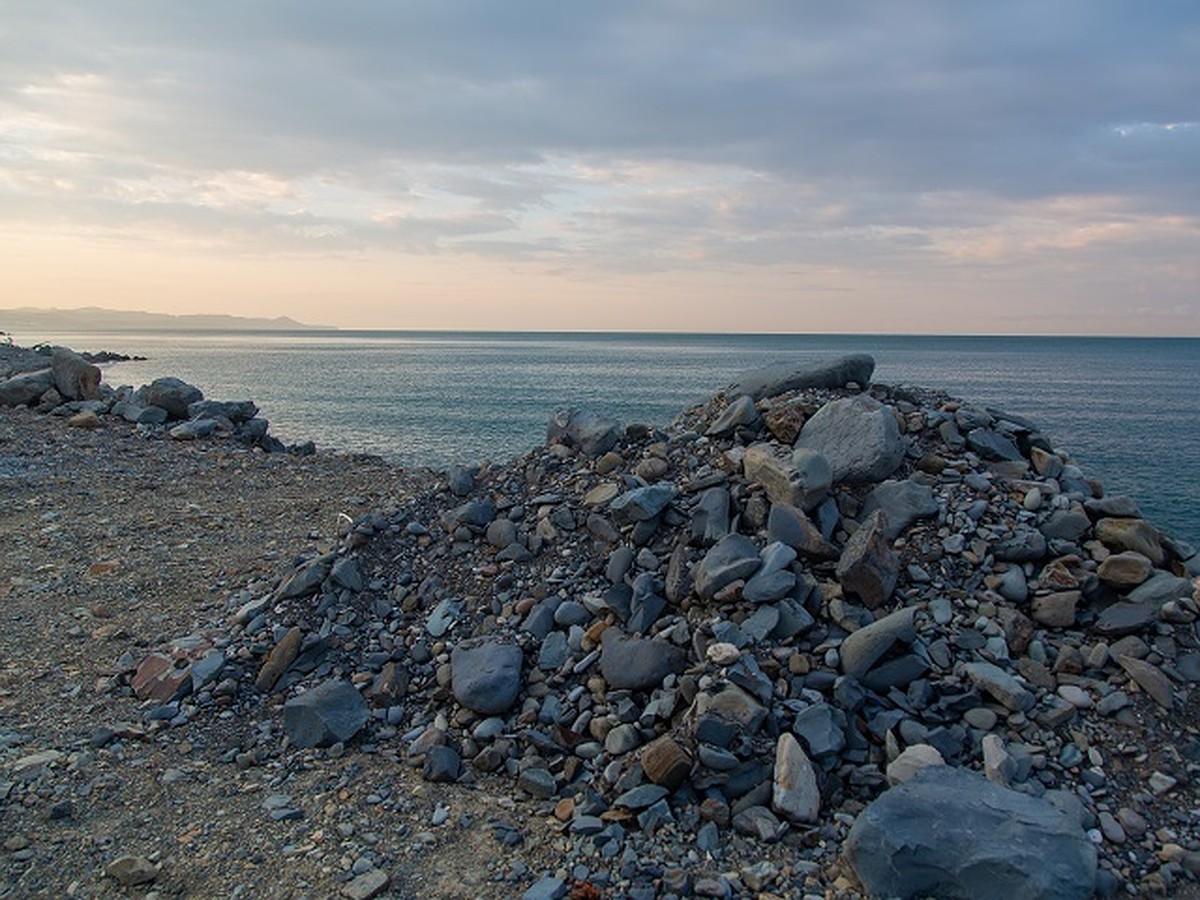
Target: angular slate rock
{"x":740,"y":412}
{"x":642,"y":504}
{"x":789,"y":525}
{"x":992,"y":445}
{"x":485,"y":676}
{"x":780,"y":378}
{"x":331,"y":712}
{"x":868,"y":567}
{"x":902,"y":503}
{"x":863,"y":648}
{"x":637,"y":663}
{"x":858,"y":436}
{"x":950,"y":833}
{"x":710,"y":517}
{"x":731,"y":558}
{"x":1000,"y":685}
{"x":795,"y":793}
{"x":592,"y":433}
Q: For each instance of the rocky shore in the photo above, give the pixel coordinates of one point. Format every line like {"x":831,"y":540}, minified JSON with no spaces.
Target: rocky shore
{"x":817,"y":637}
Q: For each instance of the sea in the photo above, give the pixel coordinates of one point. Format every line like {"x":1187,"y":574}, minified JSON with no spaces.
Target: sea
{"x":1126,"y":409}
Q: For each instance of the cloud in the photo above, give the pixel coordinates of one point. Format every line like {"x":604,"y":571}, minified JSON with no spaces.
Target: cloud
{"x":614,"y":137}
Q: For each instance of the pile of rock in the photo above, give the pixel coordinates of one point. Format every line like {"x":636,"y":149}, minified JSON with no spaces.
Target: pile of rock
{"x":809,"y":604}
{"x":71,"y":386}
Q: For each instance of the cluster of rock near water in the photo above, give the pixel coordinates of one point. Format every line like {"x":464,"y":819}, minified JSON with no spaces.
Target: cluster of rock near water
{"x":814,"y":612}
{"x":71,"y":386}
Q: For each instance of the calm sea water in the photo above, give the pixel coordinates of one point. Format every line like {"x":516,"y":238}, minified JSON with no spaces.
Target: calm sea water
{"x":1126,"y":409}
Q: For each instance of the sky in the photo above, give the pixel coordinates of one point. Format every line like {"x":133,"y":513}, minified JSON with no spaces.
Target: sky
{"x":911,"y":166}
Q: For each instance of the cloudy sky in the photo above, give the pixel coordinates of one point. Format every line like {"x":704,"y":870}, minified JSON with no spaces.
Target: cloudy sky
{"x":1027,"y":166}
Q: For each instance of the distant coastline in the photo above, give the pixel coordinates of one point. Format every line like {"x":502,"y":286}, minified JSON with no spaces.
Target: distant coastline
{"x":97,"y":319}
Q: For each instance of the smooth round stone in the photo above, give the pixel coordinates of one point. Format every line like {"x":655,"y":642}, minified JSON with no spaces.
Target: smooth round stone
{"x":1033,"y":499}
{"x":1075,"y":695}
{"x":981,"y":717}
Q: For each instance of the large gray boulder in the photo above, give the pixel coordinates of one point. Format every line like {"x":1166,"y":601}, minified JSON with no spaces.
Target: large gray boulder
{"x":592,"y":433}
{"x":858,"y":436}
{"x":171,"y":394}
{"x":950,"y":833}
{"x":24,"y":389}
{"x":74,"y":376}
{"x":486,"y":675}
{"x":783,"y":377}
{"x":330,"y":713}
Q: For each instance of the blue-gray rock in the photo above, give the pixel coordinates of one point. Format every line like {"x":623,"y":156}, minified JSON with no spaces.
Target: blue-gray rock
{"x":475,"y":514}
{"x":1025,"y":545}
{"x":331,"y":712}
{"x":789,"y":525}
{"x":1161,"y":587}
{"x":442,"y":764}
{"x":592,"y":433}
{"x":646,"y":604}
{"x":637,"y":663}
{"x":346,"y":574}
{"x":780,"y":378}
{"x":858,"y":436}
{"x":710,"y":517}
{"x":863,"y":648}
{"x":1003,"y":687}
{"x":868,"y":567}
{"x":992,"y":445}
{"x":902,"y":503}
{"x":642,"y":504}
{"x":1065,"y":525}
{"x":24,"y":389}
{"x":460,"y":480}
{"x":170,"y":394}
{"x":798,"y":477}
{"x":822,"y":729}
{"x":548,"y":888}
{"x":194,"y":429}
{"x":951,"y":833}
{"x":485,"y":675}
{"x":731,"y":558}
{"x":739,"y":412}
{"x":236,"y":411}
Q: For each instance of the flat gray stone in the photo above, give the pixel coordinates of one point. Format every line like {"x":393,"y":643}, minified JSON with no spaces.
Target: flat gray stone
{"x":739,"y":412}
{"x":780,"y":378}
{"x":902,"y":503}
{"x":486,"y":675}
{"x":949,"y":833}
{"x":637,"y":663}
{"x":863,"y":648}
{"x":590,"y":432}
{"x":330,"y":713}
{"x":858,"y":436}
{"x":641,"y":504}
{"x":1000,"y":685}
{"x":734,"y":556}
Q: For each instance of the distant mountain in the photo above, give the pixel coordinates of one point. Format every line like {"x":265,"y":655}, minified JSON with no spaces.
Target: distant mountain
{"x":93,"y":318}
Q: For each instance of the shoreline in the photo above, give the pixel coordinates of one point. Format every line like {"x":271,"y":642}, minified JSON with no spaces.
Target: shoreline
{"x":662,"y":537}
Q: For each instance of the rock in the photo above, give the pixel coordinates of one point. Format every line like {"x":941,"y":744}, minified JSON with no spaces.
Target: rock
{"x":130,"y":871}
{"x":1150,"y":679}
{"x":1125,"y":570}
{"x":1121,"y":619}
{"x":820,"y":731}
{"x":902,"y":503}
{"x":1066,"y":525}
{"x":780,"y":378}
{"x":170,"y":394}
{"x":949,"y":833}
{"x":74,"y":377}
{"x":738,"y":413}
{"x":331,"y":713}
{"x":637,"y":663}
{"x":1056,"y":610}
{"x":24,"y":389}
{"x":868,"y":567}
{"x":162,"y":677}
{"x":548,"y":888}
{"x":665,"y":762}
{"x":784,"y":422}
{"x":86,"y":419}
{"x":236,"y":411}
{"x":732,"y":558}
{"x":858,"y":436}
{"x":800,"y":478}
{"x":641,"y":504}
{"x":998,"y":764}
{"x":1159,"y":588}
{"x":593,"y":434}
{"x":992,"y":445}
{"x":370,"y":883}
{"x":194,"y":429}
{"x":486,"y":675}
{"x":794,"y":793}
{"x":1138,"y":535}
{"x":1000,"y":685}
{"x":710,"y":517}
{"x":915,"y":758}
{"x":789,"y":525}
{"x":863,"y":648}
